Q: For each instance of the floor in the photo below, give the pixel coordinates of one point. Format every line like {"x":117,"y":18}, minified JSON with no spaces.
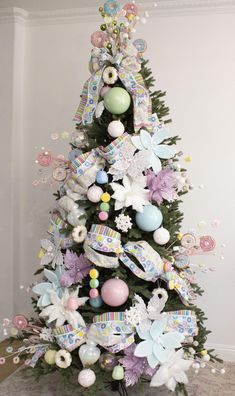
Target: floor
{"x":203,"y":384}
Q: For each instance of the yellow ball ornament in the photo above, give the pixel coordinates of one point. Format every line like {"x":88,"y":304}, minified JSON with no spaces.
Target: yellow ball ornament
{"x":94,"y":273}
{"x":49,"y":357}
{"x":204,"y":352}
{"x":105,"y":197}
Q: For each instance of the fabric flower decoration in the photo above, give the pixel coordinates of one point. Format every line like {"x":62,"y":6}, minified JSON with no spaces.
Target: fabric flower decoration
{"x":52,"y":251}
{"x":157,"y":344}
{"x":77,"y":267}
{"x":131,"y":193}
{"x":172,"y":371}
{"x":151,"y":143}
{"x":98,"y":39}
{"x":112,"y":7}
{"x":162,"y":186}
{"x":43,"y":289}
{"x":134,"y":366}
{"x":62,"y":310}
{"x":130,"y":164}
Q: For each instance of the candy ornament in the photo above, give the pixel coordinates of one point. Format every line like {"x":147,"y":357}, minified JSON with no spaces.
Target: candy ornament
{"x":63,"y":359}
{"x":49,"y":356}
{"x":116,"y":129}
{"x":118,"y":373}
{"x":104,"y":207}
{"x":103,"y":216}
{"x":105,"y":197}
{"x":79,"y":234}
{"x":117,"y":100}
{"x":86,"y":378}
{"x":150,"y":219}
{"x":110,"y":75}
{"x":96,"y":302}
{"x":161,"y":236}
{"x":102,"y":177}
{"x":89,"y":353}
{"x":114,"y":292}
{"x":94,"y":194}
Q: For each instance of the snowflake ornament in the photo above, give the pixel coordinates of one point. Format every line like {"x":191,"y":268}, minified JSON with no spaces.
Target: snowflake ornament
{"x":123,"y":222}
{"x":131,"y":193}
{"x":46,"y":334}
{"x":150,"y":143}
{"x":52,"y":251}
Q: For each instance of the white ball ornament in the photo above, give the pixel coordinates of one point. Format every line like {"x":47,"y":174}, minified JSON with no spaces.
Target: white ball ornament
{"x":86,"y":378}
{"x":116,"y":129}
{"x":161,"y":236}
{"x":94,"y":194}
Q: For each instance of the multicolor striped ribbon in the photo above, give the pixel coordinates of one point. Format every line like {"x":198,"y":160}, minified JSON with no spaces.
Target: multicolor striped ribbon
{"x":85,"y":167}
{"x":183,"y":321}
{"x":112,"y":152}
{"x":68,"y":337}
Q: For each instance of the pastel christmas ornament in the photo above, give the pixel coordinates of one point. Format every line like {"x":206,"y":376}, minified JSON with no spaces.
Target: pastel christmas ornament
{"x":86,"y":378}
{"x":103,"y":216}
{"x":116,"y":129}
{"x":114,"y":292}
{"x":161,"y":236}
{"x":94,"y":194}
{"x":89,"y":353}
{"x":49,"y":356}
{"x":93,"y":293}
{"x":105,"y":197}
{"x":117,"y":100}
{"x":96,"y":302}
{"x":150,"y":219}
{"x":104,"y":90}
{"x":102,"y":177}
{"x":94,"y":274}
{"x":94,"y":283}
{"x":104,"y":207}
{"x":108,"y":361}
{"x":118,"y":373}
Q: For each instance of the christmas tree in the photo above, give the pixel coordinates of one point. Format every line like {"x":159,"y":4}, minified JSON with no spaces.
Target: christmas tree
{"x":116,"y":305}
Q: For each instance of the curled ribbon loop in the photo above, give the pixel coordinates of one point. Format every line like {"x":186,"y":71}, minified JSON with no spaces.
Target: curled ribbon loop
{"x":111,"y":332}
{"x":184,"y":321}
{"x":68,"y":337}
{"x":128,"y":67}
{"x":103,"y":239}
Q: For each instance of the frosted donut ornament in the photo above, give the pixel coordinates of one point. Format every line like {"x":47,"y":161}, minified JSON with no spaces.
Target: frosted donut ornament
{"x":188,"y":241}
{"x":207,"y":243}
{"x":63,"y":359}
{"x":110,"y":75}
{"x":181,"y":261}
{"x":79,"y":234}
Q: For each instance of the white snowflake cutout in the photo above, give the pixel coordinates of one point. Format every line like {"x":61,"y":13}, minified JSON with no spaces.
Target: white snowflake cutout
{"x":53,"y":252}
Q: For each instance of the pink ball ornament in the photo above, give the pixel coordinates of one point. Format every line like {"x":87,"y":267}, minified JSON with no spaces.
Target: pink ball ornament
{"x":72,"y":303}
{"x":93,"y":293}
{"x":104,"y":90}
{"x":94,"y":194}
{"x":103,"y":216}
{"x":114,"y":292}
{"x":116,"y":129}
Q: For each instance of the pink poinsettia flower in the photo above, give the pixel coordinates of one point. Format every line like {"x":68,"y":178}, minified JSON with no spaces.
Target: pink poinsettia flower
{"x":162,"y":186}
{"x":98,"y":39}
{"x":77,"y":267}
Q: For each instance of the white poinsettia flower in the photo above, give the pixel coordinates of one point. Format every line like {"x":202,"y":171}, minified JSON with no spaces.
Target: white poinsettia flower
{"x":65,"y":308}
{"x":131,"y":193}
{"x":172,"y":371}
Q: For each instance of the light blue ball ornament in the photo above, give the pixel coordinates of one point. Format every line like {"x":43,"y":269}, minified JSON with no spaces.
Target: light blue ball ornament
{"x":102,"y":177}
{"x":117,"y":100}
{"x":96,"y":302}
{"x":150,"y":219}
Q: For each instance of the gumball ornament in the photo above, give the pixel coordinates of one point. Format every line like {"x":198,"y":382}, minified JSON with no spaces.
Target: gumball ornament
{"x":86,"y":378}
{"x":150,"y":219}
{"x":161,"y":236}
{"x":103,"y":216}
{"x":94,"y":194}
{"x":102,"y":177}
{"x":116,"y":129}
{"x":114,"y":292}
{"x":117,"y":100}
{"x":49,"y":357}
{"x":96,"y":302}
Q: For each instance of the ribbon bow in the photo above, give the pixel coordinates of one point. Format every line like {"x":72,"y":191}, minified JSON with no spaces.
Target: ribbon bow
{"x":103,"y":239}
{"x":128,"y":69}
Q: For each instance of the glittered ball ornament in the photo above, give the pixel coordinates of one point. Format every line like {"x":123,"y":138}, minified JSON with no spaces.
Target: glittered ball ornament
{"x":161,"y":236}
{"x":94,"y":194}
{"x":86,"y":378}
{"x":117,"y":100}
{"x":116,"y":129}
{"x":114,"y":292}
{"x":108,"y":361}
{"x":150,"y":219}
{"x":102,"y":177}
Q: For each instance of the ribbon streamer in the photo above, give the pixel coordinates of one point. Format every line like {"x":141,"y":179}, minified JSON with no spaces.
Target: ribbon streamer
{"x":128,"y":67}
{"x":85,"y":168}
{"x":184,"y":321}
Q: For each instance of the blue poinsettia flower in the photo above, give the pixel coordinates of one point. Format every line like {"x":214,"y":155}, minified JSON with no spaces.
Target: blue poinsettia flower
{"x":151,"y":144}
{"x":43,"y":289}
{"x":112,"y":7}
{"x":158,"y":344}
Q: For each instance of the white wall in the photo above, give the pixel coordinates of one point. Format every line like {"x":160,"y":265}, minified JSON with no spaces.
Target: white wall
{"x":193,"y":58}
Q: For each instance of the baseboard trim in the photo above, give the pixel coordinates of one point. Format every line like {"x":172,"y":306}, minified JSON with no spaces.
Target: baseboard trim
{"x":225,"y":352}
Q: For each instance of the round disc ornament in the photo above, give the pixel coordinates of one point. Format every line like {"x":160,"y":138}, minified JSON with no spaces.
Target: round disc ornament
{"x":207,"y":243}
{"x":117,"y":100}
{"x":59,"y":174}
{"x":188,"y":241}
{"x":181,"y":261}
{"x":140,"y":45}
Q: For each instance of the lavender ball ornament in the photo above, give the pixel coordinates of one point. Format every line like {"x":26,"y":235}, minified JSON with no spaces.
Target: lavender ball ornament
{"x":114,"y":292}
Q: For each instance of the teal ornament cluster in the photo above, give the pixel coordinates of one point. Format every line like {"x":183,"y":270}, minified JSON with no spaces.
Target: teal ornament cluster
{"x":117,"y":100}
{"x":150,"y":219}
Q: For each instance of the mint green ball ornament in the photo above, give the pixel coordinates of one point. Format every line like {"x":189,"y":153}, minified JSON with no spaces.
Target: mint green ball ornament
{"x":117,"y":100}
